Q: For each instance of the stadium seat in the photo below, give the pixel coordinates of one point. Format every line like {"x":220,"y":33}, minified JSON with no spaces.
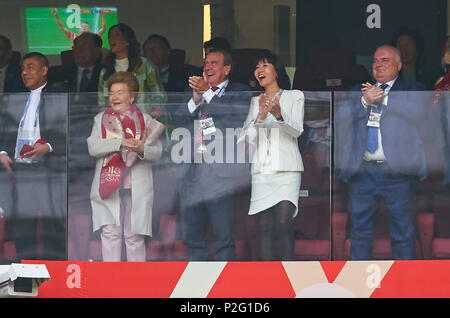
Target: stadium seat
{"x":312,"y":228}
{"x":338,"y":230}
{"x":9,"y":251}
{"x":154,"y":250}
{"x":434,"y":229}
{"x":382,"y":242}
{"x":167,"y":228}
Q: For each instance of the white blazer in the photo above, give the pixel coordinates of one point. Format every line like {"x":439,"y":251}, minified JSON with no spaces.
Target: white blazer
{"x":107,"y":211}
{"x":274,"y":139}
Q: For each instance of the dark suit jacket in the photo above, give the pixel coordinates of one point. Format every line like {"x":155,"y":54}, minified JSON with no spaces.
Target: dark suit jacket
{"x":13,"y":80}
{"x":48,"y":175}
{"x":227,"y":111}
{"x":401,"y":142}
{"x":68,"y":79}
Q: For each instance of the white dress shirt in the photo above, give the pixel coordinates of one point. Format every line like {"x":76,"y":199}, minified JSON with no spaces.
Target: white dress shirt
{"x":207,"y":96}
{"x":378,"y":154}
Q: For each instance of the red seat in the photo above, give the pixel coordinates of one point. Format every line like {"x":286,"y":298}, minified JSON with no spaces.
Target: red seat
{"x":425,"y":228}
{"x":440,"y":248}
{"x":179,"y":251}
{"x":9,"y":251}
{"x":167,"y":228}
{"x":312,"y":227}
{"x":338,"y":230}
{"x":154,"y":251}
{"x":312,"y":250}
{"x":434,"y":229}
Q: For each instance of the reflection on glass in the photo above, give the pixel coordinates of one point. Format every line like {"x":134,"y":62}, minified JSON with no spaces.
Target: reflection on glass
{"x":385,"y":198}
{"x":322,"y":228}
{"x":33,"y":201}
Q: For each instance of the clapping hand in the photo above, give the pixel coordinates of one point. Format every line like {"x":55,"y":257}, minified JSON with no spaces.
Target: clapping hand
{"x":132,"y":144}
{"x":274,"y":107}
{"x":269,"y":106}
{"x":199,"y":85}
{"x":372,"y":93}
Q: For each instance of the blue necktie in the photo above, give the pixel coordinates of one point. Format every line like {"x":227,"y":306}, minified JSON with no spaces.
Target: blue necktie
{"x":372,"y":133}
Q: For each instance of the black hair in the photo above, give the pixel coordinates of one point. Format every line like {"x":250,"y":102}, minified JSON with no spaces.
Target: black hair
{"x":282,"y":77}
{"x":157,"y":37}
{"x":133,"y":50}
{"x":219,"y":43}
{"x":415,"y":36}
{"x":39,"y":56}
{"x":98,"y":42}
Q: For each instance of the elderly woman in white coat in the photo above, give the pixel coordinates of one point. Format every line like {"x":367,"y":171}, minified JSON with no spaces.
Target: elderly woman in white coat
{"x":125,"y":142}
{"x":272,"y":127}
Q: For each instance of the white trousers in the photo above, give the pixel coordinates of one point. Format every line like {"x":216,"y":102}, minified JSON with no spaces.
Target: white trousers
{"x":112,"y":236}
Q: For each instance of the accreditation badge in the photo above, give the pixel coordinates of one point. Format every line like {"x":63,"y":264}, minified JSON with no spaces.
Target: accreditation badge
{"x":207,"y":126}
{"x":374,"y":119}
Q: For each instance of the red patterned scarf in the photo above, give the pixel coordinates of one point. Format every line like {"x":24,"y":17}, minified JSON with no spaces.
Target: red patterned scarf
{"x":132,"y":125}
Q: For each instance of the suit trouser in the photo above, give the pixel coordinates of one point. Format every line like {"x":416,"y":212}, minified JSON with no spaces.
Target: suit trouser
{"x":113,"y":235}
{"x":371,"y":182}
{"x":53,"y":236}
{"x":200,"y":198}
{"x":35,"y":201}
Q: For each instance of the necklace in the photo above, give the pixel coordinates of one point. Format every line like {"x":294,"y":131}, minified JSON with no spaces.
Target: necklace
{"x":275,"y":96}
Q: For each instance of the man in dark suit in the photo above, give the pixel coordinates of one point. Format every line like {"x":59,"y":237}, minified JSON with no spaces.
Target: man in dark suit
{"x":10,"y":80}
{"x":39,"y":183}
{"x":379,"y":153}
{"x":83,"y":76}
{"x":207,"y":175}
{"x":174,"y":77}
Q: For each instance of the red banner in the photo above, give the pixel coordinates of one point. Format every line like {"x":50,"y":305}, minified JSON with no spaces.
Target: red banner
{"x":360,"y":279}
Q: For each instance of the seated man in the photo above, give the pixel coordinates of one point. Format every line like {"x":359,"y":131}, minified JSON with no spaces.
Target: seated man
{"x":10,"y":80}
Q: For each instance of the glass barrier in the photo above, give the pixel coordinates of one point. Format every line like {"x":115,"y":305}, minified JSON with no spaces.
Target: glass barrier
{"x":33,"y":180}
{"x":192,"y":193}
{"x":207,"y":185}
{"x":390,"y":199}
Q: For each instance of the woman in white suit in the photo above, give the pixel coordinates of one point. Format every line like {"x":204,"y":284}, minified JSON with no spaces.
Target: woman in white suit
{"x":125,"y":142}
{"x":272,"y":127}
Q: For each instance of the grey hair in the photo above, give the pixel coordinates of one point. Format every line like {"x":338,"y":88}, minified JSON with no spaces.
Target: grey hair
{"x":393,"y":48}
